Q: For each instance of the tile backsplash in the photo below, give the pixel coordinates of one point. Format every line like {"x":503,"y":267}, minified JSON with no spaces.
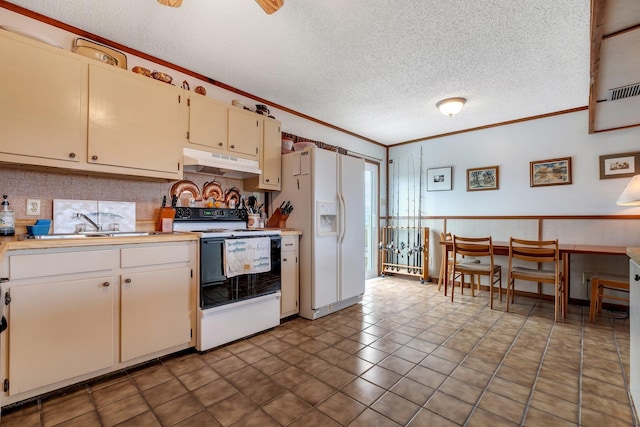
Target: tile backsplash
{"x":108,"y":215}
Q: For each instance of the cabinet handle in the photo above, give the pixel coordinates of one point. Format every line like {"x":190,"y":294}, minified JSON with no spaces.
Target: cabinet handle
{"x":72,"y":155}
{"x":233,"y":146}
{"x":637,"y":278}
{"x":220,"y":144}
{"x":266,"y":180}
{"x":94,"y":157}
{"x":106,"y":284}
{"x":127,"y":280}
{"x":284,"y":260}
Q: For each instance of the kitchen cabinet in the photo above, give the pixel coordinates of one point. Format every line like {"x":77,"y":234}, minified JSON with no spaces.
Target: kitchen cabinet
{"x":244,"y":133}
{"x":87,"y":311}
{"x":161,"y":275}
{"x":61,"y":317}
{"x":43,"y":113}
{"x":290,"y":288}
{"x":207,"y":123}
{"x":270,"y":159}
{"x":634,"y":330}
{"x":134,"y":122}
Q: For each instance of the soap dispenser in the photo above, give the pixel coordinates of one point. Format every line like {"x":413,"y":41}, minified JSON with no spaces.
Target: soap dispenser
{"x":7,"y":219}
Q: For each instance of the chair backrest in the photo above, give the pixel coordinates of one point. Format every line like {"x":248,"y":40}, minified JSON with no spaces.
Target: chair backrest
{"x":472,"y":247}
{"x":538,"y":251}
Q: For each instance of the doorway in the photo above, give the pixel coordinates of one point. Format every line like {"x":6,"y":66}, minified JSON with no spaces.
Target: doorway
{"x":371,"y":191}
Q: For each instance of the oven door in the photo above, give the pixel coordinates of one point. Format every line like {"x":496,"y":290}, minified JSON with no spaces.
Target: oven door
{"x":216,"y":289}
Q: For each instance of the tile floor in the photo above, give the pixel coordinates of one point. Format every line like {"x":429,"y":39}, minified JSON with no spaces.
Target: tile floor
{"x":405,"y":356}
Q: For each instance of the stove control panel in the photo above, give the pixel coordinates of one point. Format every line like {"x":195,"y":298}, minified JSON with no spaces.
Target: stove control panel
{"x":210,"y":214}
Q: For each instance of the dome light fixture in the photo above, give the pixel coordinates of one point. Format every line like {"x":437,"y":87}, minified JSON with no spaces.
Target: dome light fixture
{"x":451,"y":106}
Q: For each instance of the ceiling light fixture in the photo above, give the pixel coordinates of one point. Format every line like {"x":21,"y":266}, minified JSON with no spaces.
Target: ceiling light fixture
{"x":451,"y":106}
{"x":631,"y":194}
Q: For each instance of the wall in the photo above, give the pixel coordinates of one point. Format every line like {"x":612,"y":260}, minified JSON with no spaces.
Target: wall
{"x":515,"y":208}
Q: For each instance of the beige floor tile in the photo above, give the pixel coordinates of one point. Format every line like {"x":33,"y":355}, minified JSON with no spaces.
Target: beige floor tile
{"x":412,"y":391}
{"x":482,"y":418}
{"x":314,"y":418}
{"x":114,"y":392}
{"x":185,"y":365}
{"x":509,"y":389}
{"x":214,"y":391}
{"x":371,"y":354}
{"x":471,"y":376}
{"x":449,"y":407}
{"x":502,"y":406}
{"x":264,"y":391}
{"x":426,"y":418}
{"x":363,"y":391}
{"x":553,"y":405}
{"x":286,"y":408}
{"x":439,"y":364}
{"x":396,"y":408}
{"x":122,"y":410}
{"x":591,"y":418}
{"x":146,"y":419}
{"x":271,"y":365}
{"x":613,"y":408}
{"x":466,"y":392}
{"x":57,"y":411}
{"x":341,"y":408}
{"x":427,"y":376}
{"x":313,"y":391}
{"x":290,"y":377}
{"x":231,"y":409}
{"x":371,"y":418}
{"x":177,"y":410}
{"x":89,"y":419}
{"x":336,"y":377}
{"x":194,"y":379}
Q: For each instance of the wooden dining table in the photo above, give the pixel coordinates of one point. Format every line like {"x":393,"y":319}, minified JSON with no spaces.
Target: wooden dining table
{"x":566,"y":250}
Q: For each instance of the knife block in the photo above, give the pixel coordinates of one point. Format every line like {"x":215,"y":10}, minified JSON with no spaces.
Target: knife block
{"x":278,"y":219}
{"x":165,"y":217}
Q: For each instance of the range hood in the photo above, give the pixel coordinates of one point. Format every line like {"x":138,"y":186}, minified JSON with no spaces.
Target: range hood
{"x":219,"y":164}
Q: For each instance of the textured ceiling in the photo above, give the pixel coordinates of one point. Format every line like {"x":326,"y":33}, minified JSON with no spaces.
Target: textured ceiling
{"x":372,"y":67}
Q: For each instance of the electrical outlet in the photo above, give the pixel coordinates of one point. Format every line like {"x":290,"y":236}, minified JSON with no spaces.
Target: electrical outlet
{"x":33,"y":207}
{"x":586,"y":278}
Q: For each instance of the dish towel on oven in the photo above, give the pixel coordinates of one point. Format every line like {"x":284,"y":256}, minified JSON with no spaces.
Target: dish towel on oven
{"x":247,"y":256}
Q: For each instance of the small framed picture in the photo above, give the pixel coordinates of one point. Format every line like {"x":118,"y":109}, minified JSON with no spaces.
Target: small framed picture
{"x":619,"y":165}
{"x":550,"y":172}
{"x":482,"y":178}
{"x":439,"y":179}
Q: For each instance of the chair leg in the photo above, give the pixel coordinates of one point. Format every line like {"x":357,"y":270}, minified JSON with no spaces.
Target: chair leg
{"x":594,"y":301}
{"x":442,"y":265}
{"x":509,"y":285}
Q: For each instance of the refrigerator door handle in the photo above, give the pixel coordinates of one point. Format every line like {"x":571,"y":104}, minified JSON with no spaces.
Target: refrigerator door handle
{"x":342,"y":219}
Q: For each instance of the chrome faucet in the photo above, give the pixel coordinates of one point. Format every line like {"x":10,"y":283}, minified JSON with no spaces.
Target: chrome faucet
{"x":89,"y":220}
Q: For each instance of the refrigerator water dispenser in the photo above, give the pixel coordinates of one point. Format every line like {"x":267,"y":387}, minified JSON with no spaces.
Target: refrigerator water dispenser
{"x":327,"y":223}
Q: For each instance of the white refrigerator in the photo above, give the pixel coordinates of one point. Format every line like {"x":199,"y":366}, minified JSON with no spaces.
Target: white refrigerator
{"x":326,"y":190}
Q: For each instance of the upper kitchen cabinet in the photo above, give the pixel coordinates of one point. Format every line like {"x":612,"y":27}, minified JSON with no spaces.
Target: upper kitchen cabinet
{"x":245,"y":130}
{"x":270,"y":159}
{"x":134,"y":123}
{"x":43,"y":108}
{"x":207,"y":123}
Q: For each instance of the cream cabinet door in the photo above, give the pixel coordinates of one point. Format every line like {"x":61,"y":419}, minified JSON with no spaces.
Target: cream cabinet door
{"x":245,"y":130}
{"x":207,"y":123}
{"x":289,"y":276}
{"x":134,"y":122}
{"x":43,"y":107}
{"x":271,"y":157}
{"x":155,"y":311}
{"x":59,"y":330}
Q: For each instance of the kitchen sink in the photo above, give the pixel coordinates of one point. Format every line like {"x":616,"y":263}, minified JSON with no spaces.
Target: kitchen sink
{"x":90,"y":234}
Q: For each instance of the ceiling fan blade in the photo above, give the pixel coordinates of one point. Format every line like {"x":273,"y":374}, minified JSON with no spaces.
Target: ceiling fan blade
{"x":172,"y":3}
{"x":270,"y":6}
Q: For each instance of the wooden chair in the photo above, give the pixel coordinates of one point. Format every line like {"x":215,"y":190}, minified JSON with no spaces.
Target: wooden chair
{"x":534,"y":253}
{"x":451,"y":279}
{"x":476,"y":247}
{"x":610,"y":282}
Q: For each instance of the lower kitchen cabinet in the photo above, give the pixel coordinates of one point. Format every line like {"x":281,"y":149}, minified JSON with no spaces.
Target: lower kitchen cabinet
{"x":290,"y":288}
{"x":154,"y":312}
{"x":76,"y":313}
{"x":59,"y":330}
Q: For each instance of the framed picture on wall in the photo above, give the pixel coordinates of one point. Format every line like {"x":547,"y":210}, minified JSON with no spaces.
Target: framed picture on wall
{"x":619,"y":165}
{"x":486,"y":178}
{"x":550,"y":172}
{"x":439,"y":179}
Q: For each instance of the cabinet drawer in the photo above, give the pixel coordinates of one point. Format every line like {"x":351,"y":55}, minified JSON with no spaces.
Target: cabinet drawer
{"x":155,"y":255}
{"x":51,"y":264}
{"x":289,"y":244}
